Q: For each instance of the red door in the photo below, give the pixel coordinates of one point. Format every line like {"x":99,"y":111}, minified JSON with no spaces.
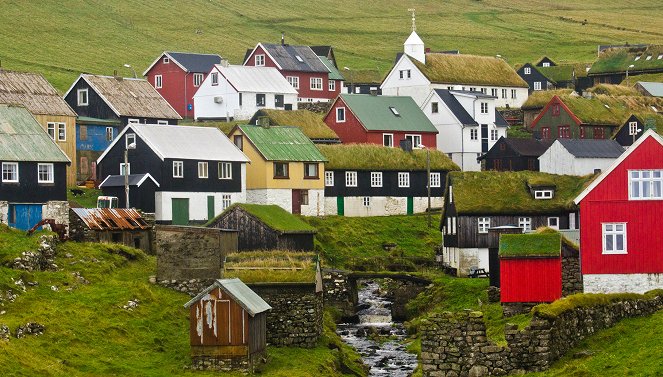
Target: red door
{"x":296,"y":202}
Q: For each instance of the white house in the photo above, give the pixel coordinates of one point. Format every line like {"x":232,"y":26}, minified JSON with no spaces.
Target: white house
{"x":237,"y":92}
{"x":416,"y":72}
{"x":468,"y":124}
{"x":579,"y":156}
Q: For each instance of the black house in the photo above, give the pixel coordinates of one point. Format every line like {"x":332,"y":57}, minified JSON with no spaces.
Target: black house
{"x":545,"y":62}
{"x":511,"y":154}
{"x":182,"y":174}
{"x":535,"y":79}
{"x":634,"y":127}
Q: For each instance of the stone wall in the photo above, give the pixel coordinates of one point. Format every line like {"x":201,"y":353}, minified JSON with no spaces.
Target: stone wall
{"x":400,"y":292}
{"x":571,"y":276}
{"x":316,"y":107}
{"x":242,"y":363}
{"x":339,"y":292}
{"x":57,"y":210}
{"x":4,"y":212}
{"x":185,"y":253}
{"x":455,"y":344}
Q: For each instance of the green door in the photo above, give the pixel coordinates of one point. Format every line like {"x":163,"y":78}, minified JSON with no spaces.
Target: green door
{"x":180,"y":211}
{"x":410,"y":205}
{"x":210,"y":208}
{"x":340,"y":206}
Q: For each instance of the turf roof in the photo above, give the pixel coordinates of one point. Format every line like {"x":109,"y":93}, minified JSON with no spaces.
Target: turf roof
{"x":275,"y":217}
{"x":614,"y":90}
{"x":618,"y":60}
{"x":311,"y":124}
{"x":364,"y":76}
{"x":271,"y":266}
{"x":610,"y":110}
{"x":563,"y":72}
{"x":377,"y":157}
{"x":651,"y":77}
{"x":539,"y":98}
{"x":530,"y":245}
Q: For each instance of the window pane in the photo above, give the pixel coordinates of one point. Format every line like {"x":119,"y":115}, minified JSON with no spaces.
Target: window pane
{"x":635,"y":189}
{"x":645,"y":174}
{"x":608,"y":227}
{"x":646,"y":190}
{"x":619,"y":227}
{"x":656,"y":188}
{"x":608,"y":242}
{"x":620,"y":242}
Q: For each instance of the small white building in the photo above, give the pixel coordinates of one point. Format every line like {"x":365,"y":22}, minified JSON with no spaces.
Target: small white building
{"x":468,"y":124}
{"x":579,"y":156}
{"x":237,"y":92}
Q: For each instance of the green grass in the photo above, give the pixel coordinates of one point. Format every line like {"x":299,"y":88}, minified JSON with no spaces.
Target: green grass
{"x":651,"y":77}
{"x":13,"y":242}
{"x":309,"y":122}
{"x":518,"y":132}
{"x":225,"y":127}
{"x":87,"y":200}
{"x":273,"y":216}
{"x":378,"y":157}
{"x":528,"y":245}
{"x":267,"y":266}
{"x":580,"y":300}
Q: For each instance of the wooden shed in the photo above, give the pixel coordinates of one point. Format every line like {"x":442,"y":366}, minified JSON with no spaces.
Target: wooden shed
{"x":110,"y":225}
{"x":265,"y":227}
{"x":227,"y":326}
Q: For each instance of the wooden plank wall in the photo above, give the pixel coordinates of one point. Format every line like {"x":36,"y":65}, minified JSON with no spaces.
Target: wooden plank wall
{"x":69,"y":145}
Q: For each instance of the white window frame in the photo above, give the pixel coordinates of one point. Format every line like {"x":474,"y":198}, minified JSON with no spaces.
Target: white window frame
{"x":525,"y":223}
{"x":203,"y":169}
{"x":329,"y":179}
{"x":162,"y":122}
{"x":226,"y":201}
{"x":350,"y":179}
{"x":376,"y":179}
{"x":632,"y":128}
{"x":14,"y":170}
{"x":294,"y":81}
{"x":51,"y":129}
{"x":110,"y":134}
{"x":82,"y":101}
{"x":545,"y":64}
{"x":340,"y":119}
{"x":514,"y":94}
{"x":484,"y":108}
{"x":62,"y":131}
{"x":198,"y":79}
{"x":166,"y":60}
{"x":556,"y":220}
{"x":214,"y":80}
{"x":528,"y":70}
{"x":332,"y":85}
{"x":259,"y":60}
{"x":178,"y":169}
{"x":50,"y":173}
{"x":609,"y":230}
{"x":403,"y":179}
{"x":483,"y":223}
{"x":366,"y":201}
{"x":537,"y":85}
{"x":504,"y":92}
{"x":474,"y":134}
{"x":128,"y":167}
{"x":391,"y":140}
{"x":435,"y":179}
{"x":316,"y":83}
{"x":494,"y":135}
{"x":158,"y":81}
{"x":652,"y":183}
{"x":225,"y":170}
{"x":543,"y":194}
{"x":415,"y":138}
{"x":129,"y":139}
{"x":133,"y":121}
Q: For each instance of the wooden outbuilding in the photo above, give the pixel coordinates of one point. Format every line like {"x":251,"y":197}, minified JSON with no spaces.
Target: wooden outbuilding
{"x":227,"y":326}
{"x":110,"y":225}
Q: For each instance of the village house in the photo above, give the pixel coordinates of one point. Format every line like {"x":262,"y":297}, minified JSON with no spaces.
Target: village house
{"x":181,"y":174}
{"x":534,"y":79}
{"x":635,"y":126}
{"x":42,"y":100}
{"x":93,"y":136}
{"x":309,"y":122}
{"x":286,"y":168}
{"x":237,"y":92}
{"x":546,"y":75}
{"x":382,"y":120}
{"x":515,"y":154}
{"x":619,"y":63}
{"x":363,"y":81}
{"x":579,"y":156}
{"x":619,"y":217}
{"x":652,"y":89}
{"x":177,"y":77}
{"x":537,"y":101}
{"x":383,"y":181}
{"x":33,"y":183}
{"x":468,"y":124}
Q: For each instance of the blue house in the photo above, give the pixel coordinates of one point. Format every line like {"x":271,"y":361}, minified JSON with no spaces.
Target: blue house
{"x":93,"y":136}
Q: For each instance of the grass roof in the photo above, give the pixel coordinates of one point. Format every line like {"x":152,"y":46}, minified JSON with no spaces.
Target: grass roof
{"x":649,"y":77}
{"x":530,"y":245}
{"x":563,"y":72}
{"x":364,"y":76}
{"x":469,"y":69}
{"x":492,"y":192}
{"x":614,"y":90}
{"x":225,"y":127}
{"x":377,"y":157}
{"x":541,"y":180}
{"x":611,"y":110}
{"x":619,"y":59}
{"x":539,"y":98}
{"x":273,"y":216}
{"x":309,"y":122}
{"x":270,"y":266}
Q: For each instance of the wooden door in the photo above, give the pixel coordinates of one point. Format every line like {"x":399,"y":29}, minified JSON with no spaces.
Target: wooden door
{"x":180,"y":211}
{"x":410,"y":205}
{"x":296,"y":202}
{"x":340,"y":206}
{"x":210,"y":207}
{"x":24,"y":216}
{"x":224,"y":322}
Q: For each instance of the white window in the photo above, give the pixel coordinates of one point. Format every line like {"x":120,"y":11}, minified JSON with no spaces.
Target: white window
{"x":403,"y":179}
{"x":332,"y":85}
{"x":537,"y":85}
{"x":202,"y":169}
{"x":435,"y":180}
{"x":329,"y":178}
{"x":503,"y":93}
{"x":45,"y":173}
{"x":158,"y":81}
{"x":260,"y":60}
{"x":376,"y":179}
{"x":513,"y":94}
{"x":162,"y":122}
{"x":10,"y":171}
{"x":528,"y":70}
{"x":493,"y":135}
{"x":614,"y":238}
{"x":645,"y":184}
{"x":133,"y":121}
{"x":109,"y":133}
{"x":484,"y":224}
{"x":546,"y":64}
{"x":474,"y":134}
{"x":311,"y":170}
{"x":483,"y":90}
{"x":405,"y":74}
{"x":340,"y":114}
{"x":473,"y":89}
{"x":125,"y":169}
{"x":51,"y":130}
{"x":493,"y":92}
{"x":197,"y":79}
{"x":294,"y":81}
{"x":130,"y":139}
{"x":388,"y":140}
{"x":215,"y":78}
{"x":553,"y":222}
{"x":525,"y":223}
{"x":632,"y":128}
{"x":178,"y":169}
{"x":484,"y":107}
{"x":166,"y":60}
{"x":82,"y":97}
{"x":543,"y":194}
{"x":350,"y":179}
{"x":316,"y":83}
{"x":225,"y":170}
{"x":225,"y":201}
{"x":366,"y":201}
{"x":415,"y":139}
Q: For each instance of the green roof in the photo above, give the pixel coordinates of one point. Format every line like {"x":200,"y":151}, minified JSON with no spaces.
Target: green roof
{"x":377,"y":157}
{"x":614,"y":90}
{"x":365,"y":76}
{"x":651,"y":77}
{"x":530,"y":245}
{"x":491,"y":192}
{"x":610,"y":110}
{"x":619,"y":59}
{"x":271,"y":266}
{"x":334,"y":74}
{"x":311,"y":124}
{"x":563,"y":72}
{"x":276,"y":218}
{"x":22,"y":138}
{"x":282,"y":143}
{"x":376,"y":114}
{"x":540,"y":98}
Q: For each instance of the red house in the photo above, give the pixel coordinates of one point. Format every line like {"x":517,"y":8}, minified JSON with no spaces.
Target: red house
{"x":177,"y":76}
{"x":383,"y":120}
{"x":621,"y":243}
{"x":315,"y":77}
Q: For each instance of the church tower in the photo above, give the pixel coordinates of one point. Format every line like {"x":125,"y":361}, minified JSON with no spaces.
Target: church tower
{"x":414,"y":46}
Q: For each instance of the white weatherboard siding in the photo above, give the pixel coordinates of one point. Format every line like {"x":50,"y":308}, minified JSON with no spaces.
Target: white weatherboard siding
{"x":558,"y":160}
{"x":283,"y":198}
{"x":163,"y":203}
{"x":353,"y":206}
{"x":620,"y":283}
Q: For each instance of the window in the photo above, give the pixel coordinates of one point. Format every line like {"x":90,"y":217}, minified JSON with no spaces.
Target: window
{"x":260,"y":60}
{"x":260,"y":99}
{"x":332,"y":85}
{"x":474,"y":134}
{"x":435,"y":180}
{"x":350,"y":179}
{"x":632,"y":128}
{"x":294,"y":81}
{"x":599,"y":133}
{"x":403,"y":179}
{"x":528,"y":70}
{"x":311,"y":170}
{"x":503,"y":93}
{"x":388,"y":140}
{"x":376,"y":179}
{"x":198,"y":79}
{"x":543,"y":194}
{"x":109,"y":133}
{"x":125,"y":169}
{"x":130,"y":139}
{"x":225,"y":170}
{"x":178,"y":169}
{"x":281,"y":170}
{"x":483,"y":90}
{"x":473,"y":89}
{"x":637,"y":58}
{"x":329,"y":178}
{"x":493,"y":92}
{"x":493,"y":135}
{"x":51,"y":130}
{"x":555,"y":110}
{"x":405,"y":74}
{"x":279,"y":100}
{"x":83,"y":99}
{"x":553,"y":222}
{"x":44,"y":173}
{"x":340,"y":114}
{"x":316,"y":83}
{"x":394,"y":111}
{"x":614,"y":238}
{"x":158,"y":81}
{"x":203,"y":170}
{"x":537,"y":85}
{"x":239,"y":142}
{"x":62,"y":131}
{"x":366,"y":201}
{"x":10,"y":172}
{"x":525,"y":223}
{"x":484,"y":107}
{"x":546,"y":64}
{"x":415,"y":139}
{"x":434,"y":107}
{"x":484,"y":224}
{"x":303,"y":197}
{"x":162,"y":122}
{"x":215,"y":78}
{"x":564,"y":132}
{"x":166,"y":60}
{"x":240,"y":96}
{"x":225,"y":201}
{"x":545,"y":132}
{"x":82,"y":132}
{"x":645,"y":184}
{"x":513,"y":94}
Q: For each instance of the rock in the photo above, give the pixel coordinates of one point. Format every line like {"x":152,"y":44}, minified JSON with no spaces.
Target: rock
{"x":478,"y":371}
{"x":4,"y":333}
{"x":54,"y":288}
{"x":131,"y":305}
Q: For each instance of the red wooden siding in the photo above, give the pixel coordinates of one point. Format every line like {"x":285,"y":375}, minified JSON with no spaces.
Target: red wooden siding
{"x":228,"y":324}
{"x":530,"y":279}
{"x":177,"y":86}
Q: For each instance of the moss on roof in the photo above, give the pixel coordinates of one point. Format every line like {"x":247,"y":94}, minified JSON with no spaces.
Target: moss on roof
{"x":649,"y":77}
{"x":563,"y":72}
{"x":540,"y":180}
{"x":588,"y":300}
{"x":614,"y":90}
{"x":309,"y":122}
{"x":270,"y":266}
{"x":565,"y":241}
{"x":492,"y":192}
{"x":539,"y":98}
{"x":377,"y":157}
{"x":469,"y":69}
{"x":610,"y":110}
{"x":530,"y":245}
{"x":364,"y":76}
{"x":273,"y":216}
{"x":619,"y":59}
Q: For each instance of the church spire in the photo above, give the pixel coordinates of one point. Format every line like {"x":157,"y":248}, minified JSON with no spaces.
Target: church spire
{"x":414,"y":46}
{"x":414,"y":25}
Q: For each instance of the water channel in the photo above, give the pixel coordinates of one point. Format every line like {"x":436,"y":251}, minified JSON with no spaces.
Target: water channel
{"x":376,"y":337}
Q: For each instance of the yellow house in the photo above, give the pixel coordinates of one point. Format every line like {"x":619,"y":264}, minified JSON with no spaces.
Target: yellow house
{"x":286,"y":168}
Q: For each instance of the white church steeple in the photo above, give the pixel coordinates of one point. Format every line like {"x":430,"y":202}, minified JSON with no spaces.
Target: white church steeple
{"x":414,"y":46}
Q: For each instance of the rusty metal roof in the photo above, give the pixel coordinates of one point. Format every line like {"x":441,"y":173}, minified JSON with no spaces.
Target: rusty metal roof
{"x":32,"y":91}
{"x":111,"y":218}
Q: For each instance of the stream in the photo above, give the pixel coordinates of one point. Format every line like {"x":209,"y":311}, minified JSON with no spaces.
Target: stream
{"x":386,"y":354}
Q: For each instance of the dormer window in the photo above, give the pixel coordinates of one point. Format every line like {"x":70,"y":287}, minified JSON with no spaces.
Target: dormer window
{"x":260,"y":60}
{"x":299,"y":58}
{"x":546,"y":64}
{"x":166,"y":60}
{"x":543,"y":194}
{"x":528,"y":70}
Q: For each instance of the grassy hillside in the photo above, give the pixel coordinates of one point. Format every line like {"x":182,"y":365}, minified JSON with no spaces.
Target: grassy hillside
{"x":99,"y":36}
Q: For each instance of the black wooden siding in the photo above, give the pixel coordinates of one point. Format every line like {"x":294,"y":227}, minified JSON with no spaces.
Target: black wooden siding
{"x":418,"y":182}
{"x":27,"y":190}
{"x":508,"y":159}
{"x":139,"y":197}
{"x":533,"y":77}
{"x":622,"y":136}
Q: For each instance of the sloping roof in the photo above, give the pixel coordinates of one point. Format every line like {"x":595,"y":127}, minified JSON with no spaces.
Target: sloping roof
{"x":22,"y":138}
{"x":240,"y":292}
{"x":275,"y":217}
{"x":456,"y":108}
{"x":530,"y":245}
{"x":592,"y":148}
{"x":200,"y":63}
{"x":334,"y":74}
{"x":610,"y":110}
{"x":563,"y":72}
{"x":321,"y":50}
{"x":311,"y":124}
{"x":540,"y":98}
{"x":378,"y":157}
{"x":528,"y":147}
{"x":282,"y":143}
{"x":286,"y":57}
{"x":643,"y":59}
{"x":469,"y":69}
{"x":364,"y":76}
{"x":111,"y":218}
{"x":375,"y":113}
{"x":134,"y":180}
{"x":130,"y":97}
{"x":653,"y":88}
{"x":32,"y":91}
{"x":256,"y":79}
{"x":653,"y":120}
{"x":499,"y":120}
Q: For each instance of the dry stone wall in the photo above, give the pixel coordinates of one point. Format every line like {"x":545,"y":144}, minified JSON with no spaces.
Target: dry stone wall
{"x":571,"y":276}
{"x":339,"y":292}
{"x":185,"y":253}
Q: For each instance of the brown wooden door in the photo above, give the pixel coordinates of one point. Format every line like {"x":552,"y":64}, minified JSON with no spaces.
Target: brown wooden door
{"x":224,"y":322}
{"x":296,"y":202}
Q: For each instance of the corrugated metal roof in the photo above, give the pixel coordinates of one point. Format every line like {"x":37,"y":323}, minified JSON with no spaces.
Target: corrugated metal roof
{"x":22,"y":138}
{"x":653,"y":88}
{"x":201,"y":63}
{"x":376,"y":114}
{"x":240,"y":292}
{"x":592,"y":148}
{"x":256,"y":79}
{"x":286,"y":57}
{"x":282,"y":143}
{"x":111,"y":218}
{"x":134,"y":180}
{"x":32,"y":91}
{"x":334,"y":74}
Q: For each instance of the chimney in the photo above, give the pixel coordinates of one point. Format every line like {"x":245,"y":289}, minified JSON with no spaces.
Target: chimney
{"x":283,"y":38}
{"x":224,"y":62}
